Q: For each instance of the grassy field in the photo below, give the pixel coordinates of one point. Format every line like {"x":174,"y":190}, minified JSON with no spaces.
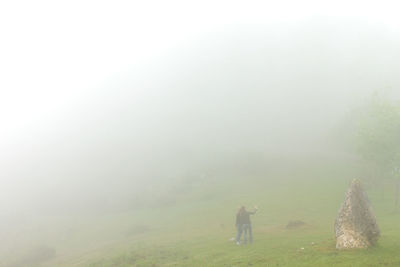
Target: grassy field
{"x":195,"y":225}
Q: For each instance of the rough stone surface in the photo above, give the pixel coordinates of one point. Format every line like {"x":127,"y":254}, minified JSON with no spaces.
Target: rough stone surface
{"x":355,"y":225}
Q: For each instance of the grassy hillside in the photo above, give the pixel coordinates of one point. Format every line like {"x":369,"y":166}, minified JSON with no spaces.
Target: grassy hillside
{"x":192,"y":224}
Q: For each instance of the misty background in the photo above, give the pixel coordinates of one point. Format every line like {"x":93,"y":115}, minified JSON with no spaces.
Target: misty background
{"x":103,"y":104}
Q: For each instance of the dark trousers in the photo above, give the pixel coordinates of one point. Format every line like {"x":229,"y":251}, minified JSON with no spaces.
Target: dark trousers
{"x":246,"y":229}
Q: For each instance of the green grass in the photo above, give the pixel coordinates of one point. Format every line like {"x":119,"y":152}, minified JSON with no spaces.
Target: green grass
{"x":196,"y":230}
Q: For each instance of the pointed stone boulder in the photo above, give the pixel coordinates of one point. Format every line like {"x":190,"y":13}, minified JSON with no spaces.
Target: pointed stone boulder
{"x":355,"y":225}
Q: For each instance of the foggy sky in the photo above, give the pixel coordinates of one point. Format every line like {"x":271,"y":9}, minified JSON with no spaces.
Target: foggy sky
{"x":100,"y":99}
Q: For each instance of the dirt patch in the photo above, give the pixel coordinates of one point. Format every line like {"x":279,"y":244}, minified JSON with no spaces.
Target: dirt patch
{"x":295,"y":224}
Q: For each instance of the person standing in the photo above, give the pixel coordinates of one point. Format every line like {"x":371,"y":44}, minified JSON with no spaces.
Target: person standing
{"x":243,"y":224}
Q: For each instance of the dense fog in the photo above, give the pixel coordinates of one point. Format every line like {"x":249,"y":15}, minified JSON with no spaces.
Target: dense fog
{"x":101,"y":105}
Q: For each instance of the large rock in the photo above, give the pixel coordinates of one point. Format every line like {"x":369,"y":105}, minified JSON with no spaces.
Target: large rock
{"x":355,"y":225}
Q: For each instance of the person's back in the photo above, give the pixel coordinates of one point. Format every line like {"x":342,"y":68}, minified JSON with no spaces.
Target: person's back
{"x":246,"y":217}
{"x":240,"y":218}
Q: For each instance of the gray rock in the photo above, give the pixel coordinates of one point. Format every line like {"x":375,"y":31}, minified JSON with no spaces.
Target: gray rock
{"x":355,"y":225}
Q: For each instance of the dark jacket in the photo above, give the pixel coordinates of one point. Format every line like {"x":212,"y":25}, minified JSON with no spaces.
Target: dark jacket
{"x":244,"y":218}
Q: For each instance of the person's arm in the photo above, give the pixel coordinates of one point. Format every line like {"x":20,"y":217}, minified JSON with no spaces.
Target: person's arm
{"x":253,"y":212}
{"x":237,"y":219}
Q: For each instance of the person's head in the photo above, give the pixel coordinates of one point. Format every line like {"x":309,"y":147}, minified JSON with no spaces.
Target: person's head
{"x":241,"y":210}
